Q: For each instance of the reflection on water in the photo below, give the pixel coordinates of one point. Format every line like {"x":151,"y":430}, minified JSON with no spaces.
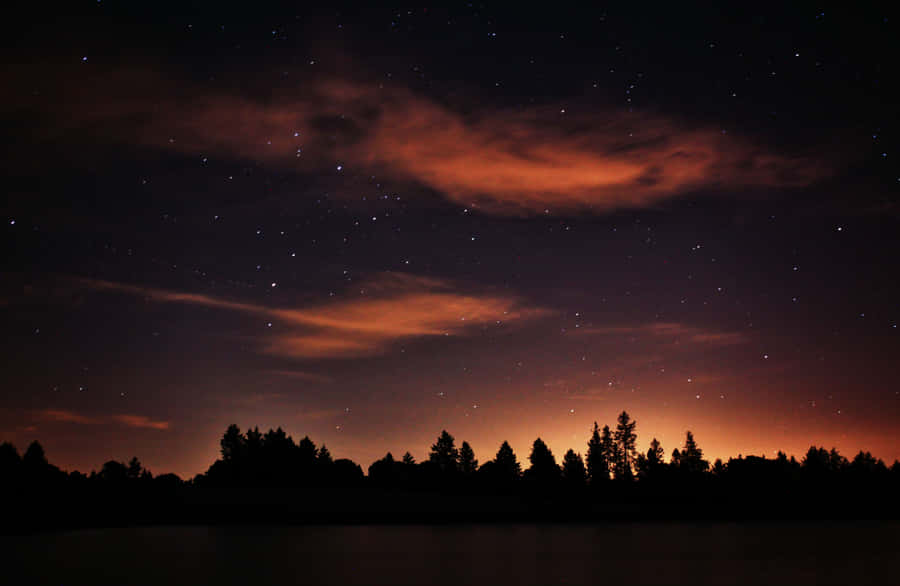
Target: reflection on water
{"x":546,"y":555}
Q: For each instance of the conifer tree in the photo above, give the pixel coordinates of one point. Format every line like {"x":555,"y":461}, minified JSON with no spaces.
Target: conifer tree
{"x":506,"y":462}
{"x":625,"y":438}
{"x":467,"y":462}
{"x":597,"y":467}
{"x":573,"y":468}
{"x":444,"y":453}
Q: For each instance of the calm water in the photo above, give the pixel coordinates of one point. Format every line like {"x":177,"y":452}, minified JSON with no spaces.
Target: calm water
{"x":547,"y":555}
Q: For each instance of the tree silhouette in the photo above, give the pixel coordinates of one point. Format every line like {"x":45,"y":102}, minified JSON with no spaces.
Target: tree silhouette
{"x":597,"y":466}
{"x":467,"y":462}
{"x":650,"y":465}
{"x":135,"y":470}
{"x":692,"y":456}
{"x":253,"y":442}
{"x":10,"y":461}
{"x":306,"y":450}
{"x":346,"y":473}
{"x":34,"y":458}
{"x":655,"y":454}
{"x":507,"y":464}
{"x":266,"y":468}
{"x":543,"y":465}
{"x":232,"y":444}
{"x":324,"y":456}
{"x":837,"y":462}
{"x":718,"y":468}
{"x":382,"y":471}
{"x":114,"y":472}
{"x":444,"y":453}
{"x":610,"y":450}
{"x":817,"y":461}
{"x":573,"y":468}
{"x":625,"y":438}
{"x":865,"y":465}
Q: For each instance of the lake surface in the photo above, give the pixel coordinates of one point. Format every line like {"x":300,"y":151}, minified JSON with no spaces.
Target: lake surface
{"x":668,"y":553}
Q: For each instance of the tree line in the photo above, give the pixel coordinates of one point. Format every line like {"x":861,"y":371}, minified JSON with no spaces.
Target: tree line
{"x":611,"y":469}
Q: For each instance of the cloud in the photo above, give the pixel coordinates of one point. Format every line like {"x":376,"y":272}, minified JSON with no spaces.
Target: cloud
{"x":396,"y":307}
{"x":503,"y":161}
{"x":302,"y":375}
{"x":320,"y":414}
{"x":63,"y":416}
{"x":68,"y":417}
{"x":598,"y":159}
{"x":676,"y":332}
{"x":140,"y":421}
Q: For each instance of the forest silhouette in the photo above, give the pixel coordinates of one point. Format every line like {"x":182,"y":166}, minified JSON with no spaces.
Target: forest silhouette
{"x":268,"y":477}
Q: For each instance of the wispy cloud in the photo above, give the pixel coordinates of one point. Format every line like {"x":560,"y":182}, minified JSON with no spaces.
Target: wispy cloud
{"x":396,"y":307}
{"x":140,"y":421}
{"x":504,"y":161}
{"x":669,"y":331}
{"x":320,"y":414}
{"x":67,"y":417}
{"x":129,"y":420}
{"x":302,"y":375}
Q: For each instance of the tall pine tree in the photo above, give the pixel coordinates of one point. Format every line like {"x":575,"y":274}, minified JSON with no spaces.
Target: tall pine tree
{"x":625,"y":439}
{"x":597,"y":467}
{"x":467,"y":462}
{"x":507,"y":463}
{"x":444,"y":453}
{"x":573,"y":468}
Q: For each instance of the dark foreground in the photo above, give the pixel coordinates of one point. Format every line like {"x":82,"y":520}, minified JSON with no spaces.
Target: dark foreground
{"x":795,"y":553}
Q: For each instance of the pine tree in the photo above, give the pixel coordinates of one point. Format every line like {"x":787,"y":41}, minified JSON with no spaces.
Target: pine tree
{"x":507,"y":463}
{"x":324,"y":456}
{"x":610,"y":452}
{"x":597,"y":466}
{"x":307,"y":451}
{"x":408,"y":459}
{"x":718,"y":468}
{"x":648,"y":465}
{"x":134,"y":468}
{"x":467,"y":462}
{"x":253,"y":443}
{"x":625,"y":439}
{"x":444,"y":453}
{"x":573,"y":468}
{"x":655,"y":454}
{"x":692,"y":456}
{"x":543,"y":464}
{"x":232,"y":443}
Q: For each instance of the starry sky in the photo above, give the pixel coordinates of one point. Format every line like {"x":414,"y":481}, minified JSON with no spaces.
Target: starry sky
{"x":367,"y":223}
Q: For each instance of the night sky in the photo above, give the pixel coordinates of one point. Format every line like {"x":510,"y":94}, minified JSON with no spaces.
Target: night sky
{"x":370,"y":223}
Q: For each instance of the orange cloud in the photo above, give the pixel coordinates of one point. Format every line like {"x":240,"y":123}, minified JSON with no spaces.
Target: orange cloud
{"x":123,"y":419}
{"x":302,"y":375}
{"x":676,"y":332}
{"x":503,"y":161}
{"x":599,"y":159}
{"x":396,"y":307}
{"x":320,"y":414}
{"x":140,"y":421}
{"x":67,"y":417}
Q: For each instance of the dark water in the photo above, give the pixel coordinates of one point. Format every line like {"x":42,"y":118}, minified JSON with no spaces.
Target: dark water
{"x":785,"y":553}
